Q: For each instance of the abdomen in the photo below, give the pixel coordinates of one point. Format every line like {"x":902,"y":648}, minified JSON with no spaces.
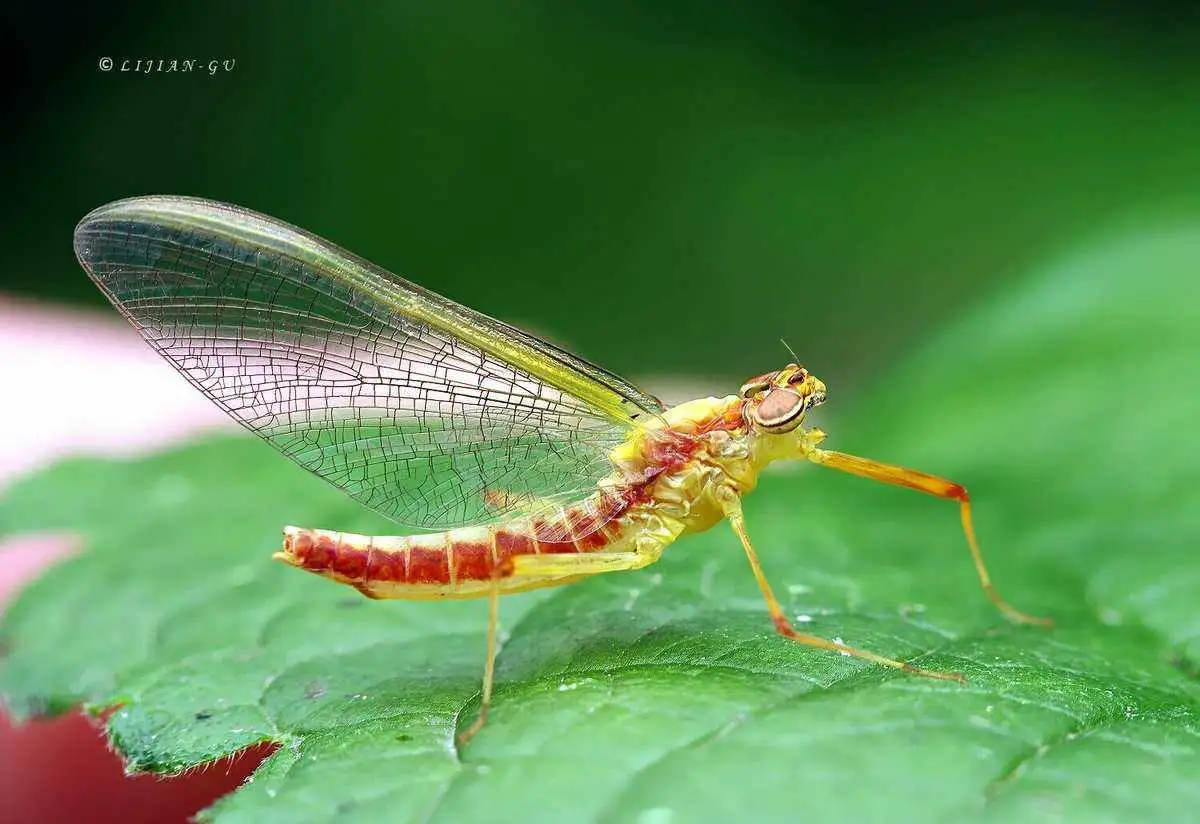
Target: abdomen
{"x":459,"y":563}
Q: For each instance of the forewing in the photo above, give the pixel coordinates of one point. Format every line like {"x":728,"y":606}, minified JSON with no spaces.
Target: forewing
{"x":423,"y":410}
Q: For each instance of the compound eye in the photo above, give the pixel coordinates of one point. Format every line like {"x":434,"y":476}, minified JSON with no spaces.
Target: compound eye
{"x":755,"y":385}
{"x":779,"y":411}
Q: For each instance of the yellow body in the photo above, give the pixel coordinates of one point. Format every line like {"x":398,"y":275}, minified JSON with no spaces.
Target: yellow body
{"x":686,"y":498}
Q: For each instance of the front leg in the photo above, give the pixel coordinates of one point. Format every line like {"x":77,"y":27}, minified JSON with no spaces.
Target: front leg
{"x":731,"y":503}
{"x":930,"y":485}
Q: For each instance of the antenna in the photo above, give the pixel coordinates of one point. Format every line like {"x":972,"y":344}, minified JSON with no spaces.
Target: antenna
{"x":795,"y":357}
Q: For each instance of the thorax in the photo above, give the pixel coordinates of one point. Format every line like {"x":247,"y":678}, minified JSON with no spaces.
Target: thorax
{"x":704,"y":443}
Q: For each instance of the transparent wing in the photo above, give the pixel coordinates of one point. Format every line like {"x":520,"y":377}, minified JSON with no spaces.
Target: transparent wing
{"x":423,"y":410}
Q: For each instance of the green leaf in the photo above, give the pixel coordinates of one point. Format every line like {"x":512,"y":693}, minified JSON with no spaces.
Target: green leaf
{"x":1068,"y":408}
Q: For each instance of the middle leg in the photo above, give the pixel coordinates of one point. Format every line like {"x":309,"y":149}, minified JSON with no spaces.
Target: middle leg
{"x":732,"y":504}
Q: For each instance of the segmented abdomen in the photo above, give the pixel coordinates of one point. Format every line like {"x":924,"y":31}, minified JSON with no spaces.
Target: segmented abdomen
{"x":461,"y":562}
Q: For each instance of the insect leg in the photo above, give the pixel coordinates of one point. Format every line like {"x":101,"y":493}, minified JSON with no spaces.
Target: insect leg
{"x":732,"y":505}
{"x":582,"y":564}
{"x":551,"y":568}
{"x":930,"y":485}
{"x":489,"y":668}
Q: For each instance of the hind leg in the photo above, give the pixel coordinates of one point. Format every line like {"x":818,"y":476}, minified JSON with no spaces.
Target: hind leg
{"x":489,"y":668}
{"x":545,"y":570}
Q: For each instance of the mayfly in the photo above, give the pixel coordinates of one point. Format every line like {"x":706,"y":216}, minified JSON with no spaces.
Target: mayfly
{"x":526,"y":466}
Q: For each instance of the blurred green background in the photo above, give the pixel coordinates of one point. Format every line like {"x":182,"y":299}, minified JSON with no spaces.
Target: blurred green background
{"x":663,"y":187}
{"x":668,"y":188}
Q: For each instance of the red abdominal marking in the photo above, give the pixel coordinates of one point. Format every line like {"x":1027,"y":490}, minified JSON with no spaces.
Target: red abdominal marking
{"x":547,"y":547}
{"x":472,"y":561}
{"x":386,"y":565}
{"x":510,"y":543}
{"x":428,"y":566}
{"x":591,"y":534}
{"x":314,"y":555}
{"x":351,"y":561}
{"x":558,"y":547}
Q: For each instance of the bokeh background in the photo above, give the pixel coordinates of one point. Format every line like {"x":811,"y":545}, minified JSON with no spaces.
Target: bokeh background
{"x":667,"y":188}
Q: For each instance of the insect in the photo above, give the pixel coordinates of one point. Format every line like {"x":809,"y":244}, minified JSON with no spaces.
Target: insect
{"x":535,"y":468}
